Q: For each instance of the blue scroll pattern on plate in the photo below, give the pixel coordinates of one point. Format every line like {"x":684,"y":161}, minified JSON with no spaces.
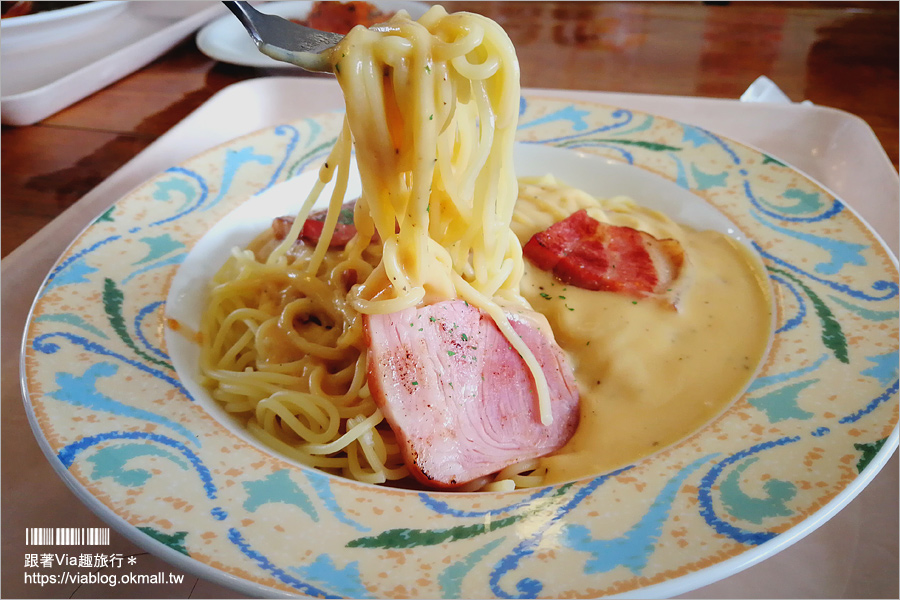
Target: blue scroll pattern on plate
{"x":818,"y":297}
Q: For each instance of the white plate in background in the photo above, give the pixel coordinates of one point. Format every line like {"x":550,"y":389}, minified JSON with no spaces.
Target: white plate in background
{"x":225,"y":39}
{"x":37,"y":29}
{"x":55,"y":61}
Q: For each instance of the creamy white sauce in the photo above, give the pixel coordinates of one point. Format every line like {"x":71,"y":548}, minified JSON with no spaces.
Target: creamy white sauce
{"x":648,"y":375}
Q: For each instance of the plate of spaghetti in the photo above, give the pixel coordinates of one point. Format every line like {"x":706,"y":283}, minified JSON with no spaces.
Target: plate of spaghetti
{"x":454,"y":341}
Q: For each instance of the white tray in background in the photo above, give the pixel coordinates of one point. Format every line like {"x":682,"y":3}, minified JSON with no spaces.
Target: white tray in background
{"x":852,"y":555}
{"x":53,"y":63}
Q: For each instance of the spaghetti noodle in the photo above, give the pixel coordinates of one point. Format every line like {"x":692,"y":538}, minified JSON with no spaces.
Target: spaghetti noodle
{"x":432,"y":108}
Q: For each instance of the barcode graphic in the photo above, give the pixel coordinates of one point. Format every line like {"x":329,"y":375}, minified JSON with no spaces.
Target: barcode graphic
{"x":67,"y":536}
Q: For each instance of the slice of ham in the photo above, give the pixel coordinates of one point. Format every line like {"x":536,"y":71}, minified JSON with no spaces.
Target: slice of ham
{"x":344,"y":230}
{"x":586,"y":253}
{"x":460,"y":399}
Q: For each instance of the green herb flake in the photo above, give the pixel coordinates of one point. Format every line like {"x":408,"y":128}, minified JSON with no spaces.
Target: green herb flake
{"x":546,"y":296}
{"x":345,"y":217}
{"x":451,"y":353}
{"x":465,"y":338}
{"x":415,"y":383}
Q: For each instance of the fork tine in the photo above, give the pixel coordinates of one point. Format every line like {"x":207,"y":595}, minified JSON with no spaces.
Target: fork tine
{"x":280,"y":38}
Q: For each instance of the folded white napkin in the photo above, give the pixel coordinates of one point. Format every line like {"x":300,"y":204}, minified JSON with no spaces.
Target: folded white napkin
{"x":765,"y":90}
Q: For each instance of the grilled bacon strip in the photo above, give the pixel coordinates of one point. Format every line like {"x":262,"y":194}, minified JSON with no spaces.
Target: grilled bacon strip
{"x":586,"y":253}
{"x":344,"y":230}
{"x":459,"y":398}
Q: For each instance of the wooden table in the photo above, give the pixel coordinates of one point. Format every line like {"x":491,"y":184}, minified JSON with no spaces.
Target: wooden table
{"x":832,"y":54}
{"x":842,"y":55}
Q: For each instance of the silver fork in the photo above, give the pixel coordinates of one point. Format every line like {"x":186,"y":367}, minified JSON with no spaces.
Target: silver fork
{"x":285,"y":40}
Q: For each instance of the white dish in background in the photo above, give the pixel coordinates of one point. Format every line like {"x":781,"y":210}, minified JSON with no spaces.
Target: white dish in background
{"x":35,"y":29}
{"x":61,"y":61}
{"x":226,"y":40}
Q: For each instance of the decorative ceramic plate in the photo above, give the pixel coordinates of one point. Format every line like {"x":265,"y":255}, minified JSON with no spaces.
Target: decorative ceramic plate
{"x":166,"y":469}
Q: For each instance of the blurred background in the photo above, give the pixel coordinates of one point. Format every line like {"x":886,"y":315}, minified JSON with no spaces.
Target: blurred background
{"x":837,"y":54}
